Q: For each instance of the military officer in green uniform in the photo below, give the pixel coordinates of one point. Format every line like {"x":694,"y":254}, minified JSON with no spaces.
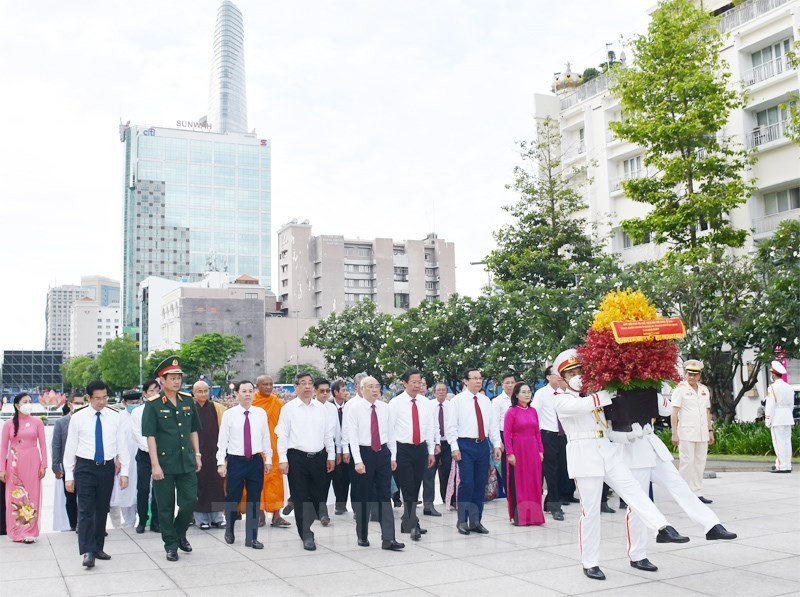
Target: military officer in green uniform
{"x":170,"y":423}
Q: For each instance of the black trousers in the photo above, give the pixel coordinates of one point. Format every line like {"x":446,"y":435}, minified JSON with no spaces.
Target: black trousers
{"x":555,"y":461}
{"x":411,"y":464}
{"x":376,"y":480}
{"x":341,"y":484}
{"x":502,"y":481}
{"x":442,"y":465}
{"x":308,"y":483}
{"x":94,"y":483}
{"x":72,"y":504}
{"x":145,"y":497}
{"x":244,"y":473}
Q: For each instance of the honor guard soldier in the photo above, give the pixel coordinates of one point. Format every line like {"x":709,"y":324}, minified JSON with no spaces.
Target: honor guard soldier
{"x":171,"y":424}
{"x":778,"y":417}
{"x":591,"y":458}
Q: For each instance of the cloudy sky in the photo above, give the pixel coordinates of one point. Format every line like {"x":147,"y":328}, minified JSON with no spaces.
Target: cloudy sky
{"x":386,"y":118}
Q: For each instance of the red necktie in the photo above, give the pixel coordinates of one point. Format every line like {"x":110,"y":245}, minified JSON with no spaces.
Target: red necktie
{"x":248,"y":445}
{"x":376,"y":434}
{"x":479,"y":415}
{"x":414,"y":423}
{"x":441,"y":420}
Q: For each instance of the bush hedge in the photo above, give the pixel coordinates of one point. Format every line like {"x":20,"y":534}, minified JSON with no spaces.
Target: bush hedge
{"x":752,"y":439}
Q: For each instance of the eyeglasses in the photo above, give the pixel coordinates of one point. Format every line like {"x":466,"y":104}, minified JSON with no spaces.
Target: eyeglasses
{"x":474,"y":379}
{"x":324,"y":391}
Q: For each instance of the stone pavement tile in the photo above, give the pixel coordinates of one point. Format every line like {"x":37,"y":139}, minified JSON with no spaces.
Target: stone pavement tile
{"x":41,"y":551}
{"x":319,"y":564}
{"x":785,"y":543}
{"x":726,"y":553}
{"x":70,"y":550}
{"x":73,"y":565}
{"x":669,"y":566}
{"x":214,"y":576}
{"x":500,"y":585}
{"x":198,"y":557}
{"x":772,"y":524}
{"x":415,"y":592}
{"x":34,"y":587}
{"x":785,"y":568}
{"x":342,"y":584}
{"x":90,"y":585}
{"x":571,"y":580}
{"x":273,"y":588}
{"x":463,"y":546}
{"x":519,"y":562}
{"x":734,"y":582}
{"x":164,"y":593}
{"x":375,"y":557}
{"x":10,"y":571}
{"x":651,"y":589}
{"x":271,"y":552}
{"x":434,"y":573}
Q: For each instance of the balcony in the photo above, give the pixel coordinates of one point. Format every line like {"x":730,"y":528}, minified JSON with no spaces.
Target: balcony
{"x":767,"y":134}
{"x":575,"y":150}
{"x":765,"y":71}
{"x":615,"y":184}
{"x":586,"y":90}
{"x":752,"y":9}
{"x":768,"y":224}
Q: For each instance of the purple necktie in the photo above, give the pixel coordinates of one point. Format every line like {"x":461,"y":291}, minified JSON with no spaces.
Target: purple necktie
{"x":441,"y":420}
{"x":376,"y":434}
{"x":248,"y":444}
{"x":479,"y":416}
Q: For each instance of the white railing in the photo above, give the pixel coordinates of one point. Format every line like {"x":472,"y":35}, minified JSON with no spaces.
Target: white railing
{"x":575,"y":150}
{"x":611,"y":136}
{"x":747,"y":11}
{"x":765,"y":71}
{"x":767,"y":134}
{"x":615,"y":184}
{"x":586,"y":90}
{"x":769,"y":224}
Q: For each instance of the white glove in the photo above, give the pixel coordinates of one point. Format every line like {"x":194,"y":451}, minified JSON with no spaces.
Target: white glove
{"x":635,"y":432}
{"x":647,"y":429}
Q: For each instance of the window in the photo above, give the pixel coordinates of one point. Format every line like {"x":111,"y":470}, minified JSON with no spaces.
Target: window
{"x":781,"y":201}
{"x":401,"y":301}
{"x":251,"y":295}
{"x":632,"y":168}
{"x":771,"y":58}
{"x":627,"y":241}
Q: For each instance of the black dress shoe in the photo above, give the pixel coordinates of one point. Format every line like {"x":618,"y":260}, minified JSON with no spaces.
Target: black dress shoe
{"x":669,"y":535}
{"x":340,"y":511}
{"x":229,"y":537}
{"x":155,"y":528}
{"x":645,"y":565}
{"x":140,"y":529}
{"x":309,"y":545}
{"x":558,"y":515}
{"x":777,"y":471}
{"x":415,"y":534}
{"x":363,"y":542}
{"x":392,"y":545}
{"x":480,"y":529}
{"x":719,"y":532}
{"x":463,"y":528}
{"x":88,"y":560}
{"x":255,"y":544}
{"x":184,"y":545}
{"x":594,"y":573}
{"x":572,"y":500}
{"x":288,"y":509}
{"x":606,"y":509}
{"x":101,"y":555}
{"x":431,"y":512}
{"x":325,"y":520}
{"x":704,"y":499}
{"x":172,"y":555}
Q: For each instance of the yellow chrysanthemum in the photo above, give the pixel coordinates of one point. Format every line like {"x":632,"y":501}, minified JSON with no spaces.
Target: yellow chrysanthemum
{"x":623,"y":305}
{"x":27,"y":513}
{"x":19,"y":493}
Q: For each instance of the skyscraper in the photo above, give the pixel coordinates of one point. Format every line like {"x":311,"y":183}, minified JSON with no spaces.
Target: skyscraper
{"x":227,"y":105}
{"x":197,"y":196}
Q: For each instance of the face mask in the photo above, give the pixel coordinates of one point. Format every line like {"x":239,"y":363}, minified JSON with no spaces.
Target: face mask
{"x":576,"y":383}
{"x":130,"y":407}
{"x":26,"y":408}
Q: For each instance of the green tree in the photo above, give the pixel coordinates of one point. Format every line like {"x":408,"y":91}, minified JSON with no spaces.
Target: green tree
{"x":287,"y":372}
{"x":79,"y":371}
{"x":118,"y":363}
{"x":351,"y":340}
{"x":546,"y":244}
{"x":675,"y":101}
{"x":157,"y":357}
{"x":793,"y":105}
{"x":211,"y":353}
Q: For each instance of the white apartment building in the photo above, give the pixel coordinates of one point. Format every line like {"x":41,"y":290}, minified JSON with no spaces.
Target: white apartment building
{"x":319,"y":275}
{"x":757,"y":36}
{"x":92,"y":325}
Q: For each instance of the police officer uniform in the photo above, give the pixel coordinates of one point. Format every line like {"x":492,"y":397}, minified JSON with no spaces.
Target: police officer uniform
{"x":172,"y":426}
{"x":692,"y":408}
{"x":591,"y":458}
{"x":778,"y":417}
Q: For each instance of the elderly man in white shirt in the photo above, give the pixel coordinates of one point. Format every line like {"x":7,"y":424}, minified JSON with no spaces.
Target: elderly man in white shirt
{"x":778,"y":417}
{"x":244,"y":454}
{"x":96,"y":445}
{"x":440,"y":410}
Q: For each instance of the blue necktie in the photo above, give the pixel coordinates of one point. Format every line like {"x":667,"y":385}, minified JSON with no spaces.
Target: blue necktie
{"x":99,"y":457}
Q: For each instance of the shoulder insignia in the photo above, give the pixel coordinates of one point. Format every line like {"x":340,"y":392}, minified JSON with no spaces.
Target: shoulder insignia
{"x":152,"y":398}
{"x":112,"y":408}
{"x":80,"y":408}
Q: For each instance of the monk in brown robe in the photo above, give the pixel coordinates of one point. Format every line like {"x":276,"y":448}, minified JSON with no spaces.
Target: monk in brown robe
{"x":210,"y":488}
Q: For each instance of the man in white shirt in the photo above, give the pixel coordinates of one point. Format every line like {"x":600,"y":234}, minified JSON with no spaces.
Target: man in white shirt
{"x":341,"y":474}
{"x":322,"y":392}
{"x":306,"y":454}
{"x":244,"y":454}
{"x":373,"y":451}
{"x":443,"y":459}
{"x":123,"y":501}
{"x":469,"y":428}
{"x":145,"y":499}
{"x":778,"y":417}
{"x":554,"y":441}
{"x":500,"y":405}
{"x":411,"y":427}
{"x":95,"y":442}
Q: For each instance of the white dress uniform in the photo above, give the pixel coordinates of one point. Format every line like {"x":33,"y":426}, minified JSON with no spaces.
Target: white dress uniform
{"x":123,"y":501}
{"x":778,"y":417}
{"x":692,"y":432}
{"x":650,"y":460}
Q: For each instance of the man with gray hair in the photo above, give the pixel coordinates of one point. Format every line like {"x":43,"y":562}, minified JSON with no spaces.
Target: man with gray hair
{"x":210,"y":487}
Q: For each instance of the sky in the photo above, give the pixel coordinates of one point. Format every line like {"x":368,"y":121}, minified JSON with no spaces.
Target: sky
{"x":386,"y":119}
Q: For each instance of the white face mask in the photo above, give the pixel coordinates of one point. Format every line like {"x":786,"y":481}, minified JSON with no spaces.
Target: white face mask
{"x":26,"y":408}
{"x":576,"y":383}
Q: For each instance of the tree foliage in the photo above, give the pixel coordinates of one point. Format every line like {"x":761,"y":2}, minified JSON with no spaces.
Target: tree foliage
{"x":287,"y":373}
{"x":79,"y":371}
{"x":676,"y":100}
{"x":118,"y":363}
{"x":155,"y":358}
{"x":210,"y":354}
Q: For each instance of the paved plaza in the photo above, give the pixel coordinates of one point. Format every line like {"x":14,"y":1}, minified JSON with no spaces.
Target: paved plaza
{"x":764,"y":509}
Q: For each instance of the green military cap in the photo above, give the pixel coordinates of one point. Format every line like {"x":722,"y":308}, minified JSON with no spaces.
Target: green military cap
{"x":168,"y":365}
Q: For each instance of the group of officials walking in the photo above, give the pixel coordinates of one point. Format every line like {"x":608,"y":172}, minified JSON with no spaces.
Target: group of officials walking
{"x":360,"y":444}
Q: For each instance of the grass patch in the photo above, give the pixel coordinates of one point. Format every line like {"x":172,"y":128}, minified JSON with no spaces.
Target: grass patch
{"x":740,"y":439}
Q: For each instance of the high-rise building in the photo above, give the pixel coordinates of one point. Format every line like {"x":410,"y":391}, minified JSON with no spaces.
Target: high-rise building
{"x":92,"y":324}
{"x":57,"y":316}
{"x":197,"y":196}
{"x":322,"y":274}
{"x":227,"y":105}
